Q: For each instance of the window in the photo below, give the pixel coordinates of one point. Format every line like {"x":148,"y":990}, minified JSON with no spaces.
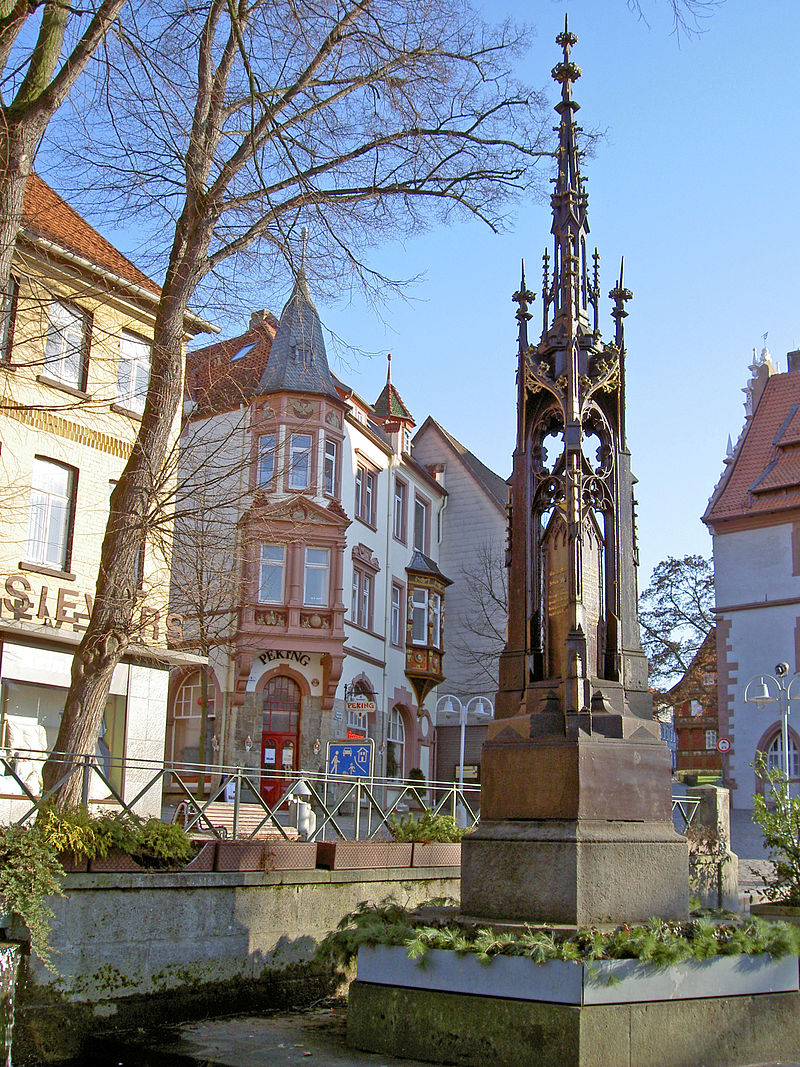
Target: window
{"x":396,"y":615}
{"x":435,"y":615}
{"x":696,"y":708}
{"x":419,"y":616}
{"x":775,"y":756}
{"x":315,"y":584}
{"x":330,"y":467}
{"x":365,"y":495}
{"x":361,"y":606}
{"x":395,"y":744}
{"x":266,"y":458}
{"x":300,"y":461}
{"x":421,"y":523}
{"x":67,"y":341}
{"x":51,"y":514}
{"x":711,"y":740}
{"x":356,"y":722}
{"x":184,"y":737}
{"x":399,"y":510}
{"x":8,"y":310}
{"x":133,"y":375}
{"x":271,"y":574}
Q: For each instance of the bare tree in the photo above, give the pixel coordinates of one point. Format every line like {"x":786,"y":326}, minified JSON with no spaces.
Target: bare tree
{"x":477,"y":636}
{"x":36,"y":77}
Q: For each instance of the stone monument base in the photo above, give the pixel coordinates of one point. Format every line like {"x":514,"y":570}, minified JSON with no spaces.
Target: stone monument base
{"x":576,"y":872}
{"x":726,"y":1031}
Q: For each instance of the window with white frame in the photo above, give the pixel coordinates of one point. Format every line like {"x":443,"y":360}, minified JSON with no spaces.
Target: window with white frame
{"x":361,"y":606}
{"x":50,"y":515}
{"x":133,"y":375}
{"x":67,"y":343}
{"x":775,"y":756}
{"x":266,"y":458}
{"x":272,"y":571}
{"x":419,"y":616}
{"x":395,"y":744}
{"x":300,"y":461}
{"x":399,"y":510}
{"x":711,"y":740}
{"x":183,"y":737}
{"x":366,"y":485}
{"x":435,"y":618}
{"x":357,"y":720}
{"x":695,"y":708}
{"x":421,"y":523}
{"x":396,"y":615}
{"x":316,"y":577}
{"x":330,"y":467}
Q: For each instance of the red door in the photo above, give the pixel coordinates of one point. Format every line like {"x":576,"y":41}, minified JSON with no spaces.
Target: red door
{"x":280,"y":737}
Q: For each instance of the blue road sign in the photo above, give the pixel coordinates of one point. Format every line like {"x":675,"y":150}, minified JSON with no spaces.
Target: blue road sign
{"x":350,"y":758}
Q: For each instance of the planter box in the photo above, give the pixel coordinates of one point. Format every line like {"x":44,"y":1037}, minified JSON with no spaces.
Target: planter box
{"x":436,"y":854}
{"x":290,"y":855}
{"x":73,"y":864}
{"x":115,"y":861}
{"x":245,"y":855}
{"x":560,"y":982}
{"x":363,"y":855}
{"x":203,"y":859}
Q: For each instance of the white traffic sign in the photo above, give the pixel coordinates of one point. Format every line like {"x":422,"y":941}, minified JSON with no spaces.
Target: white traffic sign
{"x":723,"y":745}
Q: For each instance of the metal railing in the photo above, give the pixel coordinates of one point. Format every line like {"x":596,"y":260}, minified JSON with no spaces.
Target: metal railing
{"x":345,"y":808}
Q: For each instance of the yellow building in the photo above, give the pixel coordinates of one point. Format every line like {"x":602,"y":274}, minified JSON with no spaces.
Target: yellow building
{"x":75,"y":342}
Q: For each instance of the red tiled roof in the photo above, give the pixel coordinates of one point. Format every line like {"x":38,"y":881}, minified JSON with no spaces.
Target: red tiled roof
{"x":46,"y":215}
{"x":764,"y":475}
{"x":216,"y":382}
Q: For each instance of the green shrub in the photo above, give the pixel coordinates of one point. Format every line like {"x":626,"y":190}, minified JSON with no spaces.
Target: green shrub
{"x":29,"y":873}
{"x":427,"y":828}
{"x":778,"y":815}
{"x":151,"y":842}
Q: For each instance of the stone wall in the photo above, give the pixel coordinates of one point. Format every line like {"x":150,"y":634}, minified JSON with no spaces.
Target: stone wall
{"x":141,"y":949}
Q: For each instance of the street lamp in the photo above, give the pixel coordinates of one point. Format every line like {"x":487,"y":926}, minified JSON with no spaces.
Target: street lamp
{"x":480,"y":706}
{"x":758,"y":692}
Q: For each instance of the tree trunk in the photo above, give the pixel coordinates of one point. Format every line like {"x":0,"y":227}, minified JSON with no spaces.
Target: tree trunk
{"x":17,"y":148}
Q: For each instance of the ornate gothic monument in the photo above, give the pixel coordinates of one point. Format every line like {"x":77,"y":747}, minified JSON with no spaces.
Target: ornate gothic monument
{"x":576,"y":822}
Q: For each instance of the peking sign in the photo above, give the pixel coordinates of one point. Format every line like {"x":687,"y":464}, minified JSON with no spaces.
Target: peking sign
{"x":63,"y":607}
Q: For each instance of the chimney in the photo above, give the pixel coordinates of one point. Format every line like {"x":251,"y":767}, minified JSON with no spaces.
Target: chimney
{"x":258,"y":319}
{"x":793,"y":361}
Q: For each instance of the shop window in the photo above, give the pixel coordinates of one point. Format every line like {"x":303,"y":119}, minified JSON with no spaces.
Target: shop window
{"x":30,"y":716}
{"x":272,"y":571}
{"x":316,"y":580}
{"x":133,"y":375}
{"x":67,"y":344}
{"x":395,"y":744}
{"x":399,"y":510}
{"x":421,"y":524}
{"x":330,"y":468}
{"x":396,"y":615}
{"x":365,"y":502}
{"x":50,"y":515}
{"x":775,"y":756}
{"x":300,"y":461}
{"x":361,"y":607}
{"x":8,"y":313}
{"x":183,"y":738}
{"x":266,"y":458}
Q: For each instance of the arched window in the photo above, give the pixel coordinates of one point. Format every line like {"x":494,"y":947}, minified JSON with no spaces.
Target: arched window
{"x":395,"y":745}
{"x":775,"y":756}
{"x":183,"y":743}
{"x":281,"y":705}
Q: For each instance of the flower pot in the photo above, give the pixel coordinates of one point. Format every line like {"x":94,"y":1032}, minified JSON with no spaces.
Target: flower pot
{"x":240,"y":855}
{"x":436,"y":854}
{"x":73,"y":863}
{"x":363,"y":855}
{"x":203,"y":859}
{"x":290,"y":855}
{"x":116,"y":861}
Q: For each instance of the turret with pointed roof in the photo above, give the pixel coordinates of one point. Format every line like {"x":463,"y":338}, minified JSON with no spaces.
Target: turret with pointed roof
{"x":298,"y":362}
{"x":389,"y":405}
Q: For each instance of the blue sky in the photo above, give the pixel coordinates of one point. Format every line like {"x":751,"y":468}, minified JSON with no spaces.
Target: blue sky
{"x":695,"y":183}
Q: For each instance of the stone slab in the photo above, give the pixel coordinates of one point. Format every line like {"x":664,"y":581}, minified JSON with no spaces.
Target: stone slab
{"x":561,"y":982}
{"x":475,"y":1031}
{"x":574,"y":872}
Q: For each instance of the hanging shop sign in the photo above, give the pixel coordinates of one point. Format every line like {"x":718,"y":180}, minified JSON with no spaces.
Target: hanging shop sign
{"x":363,"y":707}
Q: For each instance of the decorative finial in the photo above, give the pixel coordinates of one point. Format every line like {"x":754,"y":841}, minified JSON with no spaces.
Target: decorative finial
{"x":389,"y":368}
{"x":566,"y":71}
{"x":523,"y":297}
{"x":303,"y":247}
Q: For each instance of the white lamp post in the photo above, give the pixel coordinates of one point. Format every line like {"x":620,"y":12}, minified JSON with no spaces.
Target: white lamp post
{"x":758,"y":691}
{"x":480,"y":706}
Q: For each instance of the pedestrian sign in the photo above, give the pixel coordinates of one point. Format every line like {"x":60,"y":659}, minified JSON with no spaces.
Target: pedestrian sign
{"x":350,"y":758}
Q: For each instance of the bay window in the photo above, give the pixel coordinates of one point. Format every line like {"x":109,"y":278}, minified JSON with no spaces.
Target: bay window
{"x":419,"y":616}
{"x":300,"y":461}
{"x":330,"y":467}
{"x":272,"y":571}
{"x":266,"y":458}
{"x":316,"y":577}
